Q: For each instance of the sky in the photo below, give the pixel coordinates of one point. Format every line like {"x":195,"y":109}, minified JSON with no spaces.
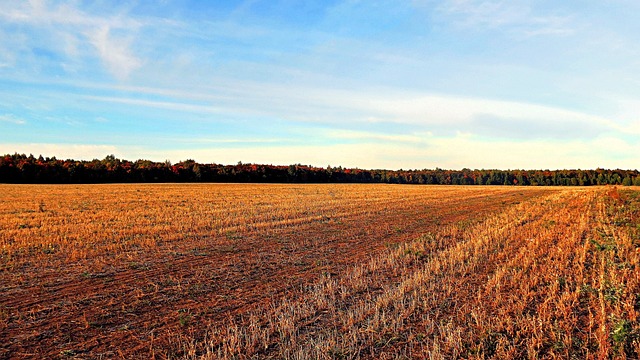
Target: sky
{"x":513,"y":84}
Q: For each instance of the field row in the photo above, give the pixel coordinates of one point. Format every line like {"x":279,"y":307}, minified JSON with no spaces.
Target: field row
{"x":555,"y":277}
{"x":318,"y":271}
{"x":125,"y":270}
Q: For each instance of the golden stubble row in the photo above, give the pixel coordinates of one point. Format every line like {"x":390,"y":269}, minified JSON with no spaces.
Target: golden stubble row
{"x":546,"y":278}
{"x":68,"y":223}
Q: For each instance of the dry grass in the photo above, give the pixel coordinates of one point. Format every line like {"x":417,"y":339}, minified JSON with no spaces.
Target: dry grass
{"x":319,"y":272}
{"x":548,"y":278}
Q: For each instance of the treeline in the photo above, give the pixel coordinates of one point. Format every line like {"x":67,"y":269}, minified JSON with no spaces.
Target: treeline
{"x":19,"y":168}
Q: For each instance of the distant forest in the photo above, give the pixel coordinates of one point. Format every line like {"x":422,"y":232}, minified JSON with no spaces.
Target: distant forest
{"x":20,"y":168}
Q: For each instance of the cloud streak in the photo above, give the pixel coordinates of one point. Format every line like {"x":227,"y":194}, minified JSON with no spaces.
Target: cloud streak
{"x":12,"y":119}
{"x":115,"y":53}
{"x":432,"y":112}
{"x":70,"y":31}
{"x":518,"y":17}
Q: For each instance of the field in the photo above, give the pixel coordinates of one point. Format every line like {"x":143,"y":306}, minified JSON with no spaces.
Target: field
{"x":319,"y":271}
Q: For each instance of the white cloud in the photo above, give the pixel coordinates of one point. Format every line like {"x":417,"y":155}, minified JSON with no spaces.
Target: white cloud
{"x":10,"y":118}
{"x":550,"y":25}
{"x":115,"y":53}
{"x":373,"y":115}
{"x":486,"y":13}
{"x":373,"y":136}
{"x":335,"y":107}
{"x":40,"y":13}
{"x":168,"y":105}
{"x":213,"y":140}
{"x":519,"y":18}
{"x":461,"y":151}
{"x":71,"y":31}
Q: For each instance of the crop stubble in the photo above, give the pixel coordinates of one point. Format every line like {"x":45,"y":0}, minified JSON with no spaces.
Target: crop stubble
{"x":273,"y":271}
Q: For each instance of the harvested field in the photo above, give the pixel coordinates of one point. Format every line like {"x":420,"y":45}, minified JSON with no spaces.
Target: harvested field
{"x":318,"y":271}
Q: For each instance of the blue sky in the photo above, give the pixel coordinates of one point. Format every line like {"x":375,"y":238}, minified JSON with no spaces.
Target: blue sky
{"x":369,"y":84}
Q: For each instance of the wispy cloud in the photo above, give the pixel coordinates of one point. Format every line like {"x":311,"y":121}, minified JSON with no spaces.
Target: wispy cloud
{"x":375,"y":136}
{"x":464,"y":111}
{"x":168,"y":105}
{"x":516,"y":17}
{"x":421,"y":112}
{"x":486,"y":13}
{"x":609,"y":152}
{"x":550,"y":25}
{"x":10,"y":118}
{"x":235,"y":141}
{"x":115,"y":53}
{"x":43,"y":12}
{"x":71,"y":31}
